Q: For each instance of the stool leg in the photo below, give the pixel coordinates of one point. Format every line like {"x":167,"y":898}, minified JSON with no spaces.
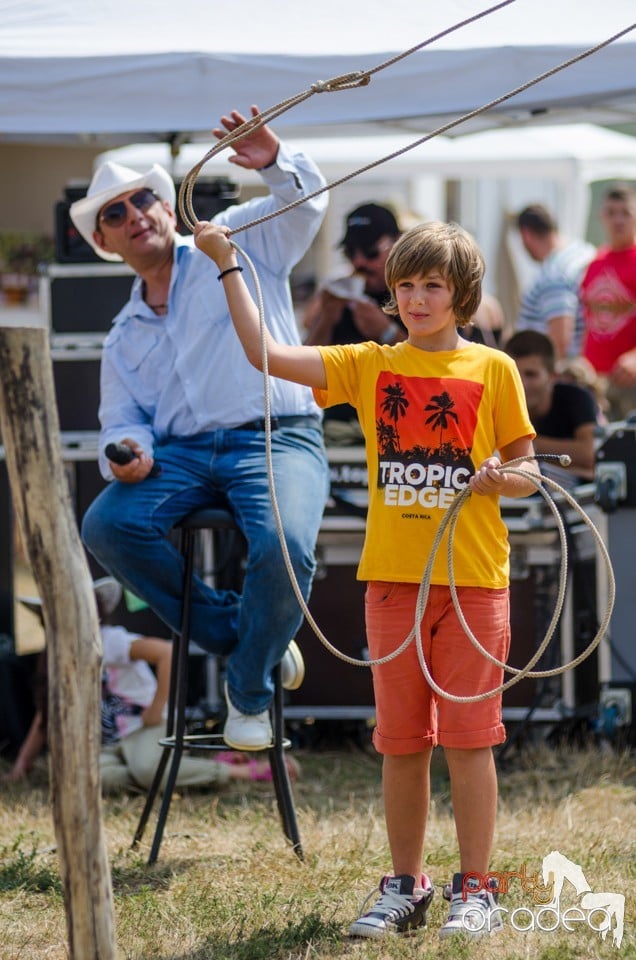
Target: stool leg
{"x":280,"y":776}
{"x":163,"y":760}
{"x":176,"y":708}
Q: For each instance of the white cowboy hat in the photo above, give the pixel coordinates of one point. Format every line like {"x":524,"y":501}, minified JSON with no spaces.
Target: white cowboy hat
{"x":111,"y":180}
{"x":108,"y":593}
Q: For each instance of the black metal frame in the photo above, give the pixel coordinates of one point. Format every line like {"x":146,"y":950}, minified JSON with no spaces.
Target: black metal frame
{"x":176,"y":737}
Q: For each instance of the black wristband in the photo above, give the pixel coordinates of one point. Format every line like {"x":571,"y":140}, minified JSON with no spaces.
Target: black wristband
{"x":224,"y":273}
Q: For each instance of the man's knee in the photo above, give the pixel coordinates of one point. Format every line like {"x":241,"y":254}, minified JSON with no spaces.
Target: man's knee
{"x":93,"y":527}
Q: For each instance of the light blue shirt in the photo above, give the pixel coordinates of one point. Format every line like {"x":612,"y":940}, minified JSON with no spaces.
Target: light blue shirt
{"x":185,"y":373}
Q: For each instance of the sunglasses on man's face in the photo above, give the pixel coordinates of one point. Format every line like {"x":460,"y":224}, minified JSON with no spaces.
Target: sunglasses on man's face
{"x":114,"y":215}
{"x":369,"y":253}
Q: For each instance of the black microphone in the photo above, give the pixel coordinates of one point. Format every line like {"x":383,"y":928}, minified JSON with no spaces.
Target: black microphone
{"x":121,"y":453}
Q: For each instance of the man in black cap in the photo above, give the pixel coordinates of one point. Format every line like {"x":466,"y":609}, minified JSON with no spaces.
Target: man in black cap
{"x":349,"y":309}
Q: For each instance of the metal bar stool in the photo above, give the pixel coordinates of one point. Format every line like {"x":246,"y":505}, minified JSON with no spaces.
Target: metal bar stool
{"x":176,"y":738}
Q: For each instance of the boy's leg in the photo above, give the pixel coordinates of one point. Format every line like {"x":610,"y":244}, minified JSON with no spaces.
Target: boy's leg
{"x":405,"y":735}
{"x":406,"y":790}
{"x":404,"y":897}
{"x":473,"y":780}
{"x":467,"y":732}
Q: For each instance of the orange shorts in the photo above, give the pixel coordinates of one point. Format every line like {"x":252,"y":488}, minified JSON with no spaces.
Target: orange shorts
{"x":410,"y":715}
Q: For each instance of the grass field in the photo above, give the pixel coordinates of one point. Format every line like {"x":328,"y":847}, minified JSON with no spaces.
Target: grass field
{"x":226,"y":885}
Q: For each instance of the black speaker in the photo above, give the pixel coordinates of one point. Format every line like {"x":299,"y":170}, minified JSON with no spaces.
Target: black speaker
{"x":70,"y":246}
{"x":17,"y":699}
{"x":209,"y":197}
{"x":83,"y":298}
{"x":76,"y":382}
{"x":339,"y":689}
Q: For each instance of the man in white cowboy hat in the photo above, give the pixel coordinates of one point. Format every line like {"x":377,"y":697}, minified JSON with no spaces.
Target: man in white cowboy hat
{"x":177,"y":390}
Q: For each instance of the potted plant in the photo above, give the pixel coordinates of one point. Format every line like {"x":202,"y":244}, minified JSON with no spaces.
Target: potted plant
{"x":21,"y":255}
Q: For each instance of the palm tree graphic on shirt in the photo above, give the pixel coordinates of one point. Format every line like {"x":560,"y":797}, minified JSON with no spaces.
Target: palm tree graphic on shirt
{"x":442,"y":407}
{"x":394,"y":405}
{"x":420,"y":421}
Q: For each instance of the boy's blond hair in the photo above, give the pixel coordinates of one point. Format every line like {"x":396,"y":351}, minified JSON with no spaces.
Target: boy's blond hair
{"x":439,"y":246}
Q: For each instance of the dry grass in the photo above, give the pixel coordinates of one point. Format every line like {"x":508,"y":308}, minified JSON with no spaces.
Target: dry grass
{"x":226,"y":886}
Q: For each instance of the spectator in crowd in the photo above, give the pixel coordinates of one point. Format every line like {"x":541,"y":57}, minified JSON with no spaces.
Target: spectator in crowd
{"x":608,"y":293}
{"x":564,"y":415}
{"x":488,"y":325}
{"x":349,"y":309}
{"x":135,"y":685}
{"x":176,"y":388}
{"x":551,"y":303}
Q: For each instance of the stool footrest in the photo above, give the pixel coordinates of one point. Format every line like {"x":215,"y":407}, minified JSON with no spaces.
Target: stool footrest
{"x":213,"y":741}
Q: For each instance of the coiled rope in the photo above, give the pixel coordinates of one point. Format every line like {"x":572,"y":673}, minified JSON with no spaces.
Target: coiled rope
{"x":449,"y":521}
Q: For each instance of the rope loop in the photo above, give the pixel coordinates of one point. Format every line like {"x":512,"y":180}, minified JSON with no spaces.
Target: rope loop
{"x":346,"y":81}
{"x":349,"y":81}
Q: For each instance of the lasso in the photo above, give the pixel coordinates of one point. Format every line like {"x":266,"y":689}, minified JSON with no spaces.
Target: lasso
{"x":449,"y":521}
{"x":347,"y":81}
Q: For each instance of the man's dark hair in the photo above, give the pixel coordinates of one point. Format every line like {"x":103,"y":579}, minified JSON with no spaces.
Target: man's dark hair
{"x":537,"y":219}
{"x":532,"y":343}
{"x":621,"y":192}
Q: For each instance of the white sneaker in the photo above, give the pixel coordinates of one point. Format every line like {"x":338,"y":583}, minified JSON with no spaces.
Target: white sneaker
{"x":400,"y":908}
{"x":474,"y":913}
{"x":292,"y":667}
{"x":243,"y":731}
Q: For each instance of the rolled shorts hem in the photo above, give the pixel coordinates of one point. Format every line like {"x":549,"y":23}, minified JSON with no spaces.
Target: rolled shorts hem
{"x":472,"y":739}
{"x":394,"y":747}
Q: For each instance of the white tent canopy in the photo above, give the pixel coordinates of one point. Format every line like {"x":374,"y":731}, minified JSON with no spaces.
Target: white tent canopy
{"x":574,"y":155}
{"x":580,"y":151}
{"x":560,"y":162}
{"x":112,"y":71}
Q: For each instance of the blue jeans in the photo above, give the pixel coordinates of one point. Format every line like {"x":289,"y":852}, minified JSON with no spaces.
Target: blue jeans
{"x":126,"y":529}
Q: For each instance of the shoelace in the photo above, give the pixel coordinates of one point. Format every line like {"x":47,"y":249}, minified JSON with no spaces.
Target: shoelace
{"x":480,"y":901}
{"x":396,"y":905}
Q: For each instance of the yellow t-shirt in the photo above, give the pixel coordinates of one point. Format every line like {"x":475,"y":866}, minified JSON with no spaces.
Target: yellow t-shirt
{"x":429,"y":419}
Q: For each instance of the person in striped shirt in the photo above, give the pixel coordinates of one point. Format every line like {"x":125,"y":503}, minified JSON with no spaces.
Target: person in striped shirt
{"x":551,"y":303}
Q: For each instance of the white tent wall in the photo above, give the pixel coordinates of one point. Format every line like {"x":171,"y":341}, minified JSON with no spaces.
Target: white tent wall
{"x":487,"y":208}
{"x":481,"y":180}
{"x":99,"y":73}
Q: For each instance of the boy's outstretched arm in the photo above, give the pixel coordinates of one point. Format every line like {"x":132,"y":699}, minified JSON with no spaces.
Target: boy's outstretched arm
{"x":301,"y":364}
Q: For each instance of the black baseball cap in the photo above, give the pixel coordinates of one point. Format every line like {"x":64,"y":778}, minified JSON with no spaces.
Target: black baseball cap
{"x":366,"y":224}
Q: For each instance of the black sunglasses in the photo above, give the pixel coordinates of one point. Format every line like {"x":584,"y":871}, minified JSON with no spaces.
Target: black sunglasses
{"x":114,"y":215}
{"x":369,"y":253}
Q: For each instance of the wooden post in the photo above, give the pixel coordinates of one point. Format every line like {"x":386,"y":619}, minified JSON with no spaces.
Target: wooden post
{"x":41,"y":499}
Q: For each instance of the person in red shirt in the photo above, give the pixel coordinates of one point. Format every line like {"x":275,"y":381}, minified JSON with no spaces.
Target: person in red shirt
{"x":608,"y":294}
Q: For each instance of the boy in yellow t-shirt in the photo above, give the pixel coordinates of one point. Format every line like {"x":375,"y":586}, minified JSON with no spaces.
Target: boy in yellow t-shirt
{"x":433,"y":409}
